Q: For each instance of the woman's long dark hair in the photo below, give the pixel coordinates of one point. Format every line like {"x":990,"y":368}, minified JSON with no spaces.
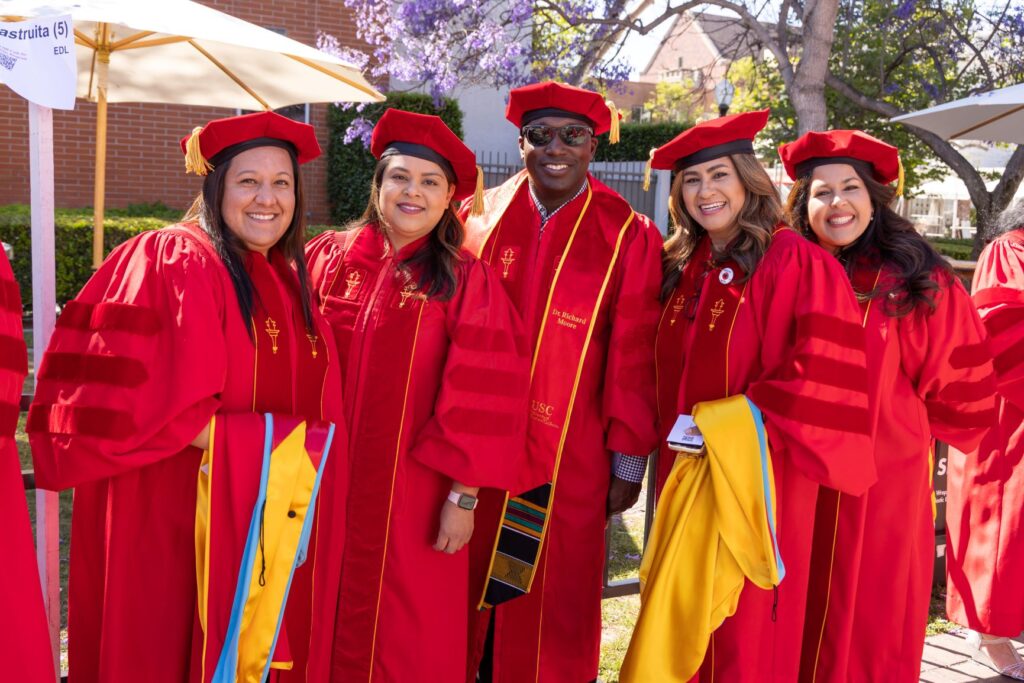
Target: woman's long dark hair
{"x":760,"y":213}
{"x":890,"y":239}
{"x":439,"y":278}
{"x":205,"y":211}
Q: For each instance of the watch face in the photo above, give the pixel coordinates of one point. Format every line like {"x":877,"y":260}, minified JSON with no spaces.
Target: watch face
{"x":467,"y":502}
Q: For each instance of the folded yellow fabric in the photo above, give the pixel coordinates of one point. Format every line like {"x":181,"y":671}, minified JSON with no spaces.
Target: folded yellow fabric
{"x":714,"y":527}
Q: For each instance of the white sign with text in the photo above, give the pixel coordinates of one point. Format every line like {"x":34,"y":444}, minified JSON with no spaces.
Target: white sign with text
{"x":37,"y":60}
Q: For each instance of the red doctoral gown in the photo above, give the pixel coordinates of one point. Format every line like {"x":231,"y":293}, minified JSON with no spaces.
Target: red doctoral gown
{"x":434,"y":391}
{"x":871,"y":577}
{"x":790,"y":339}
{"x":604,"y":401}
{"x":152,"y":348}
{"x":985,"y":507}
{"x":24,"y":636}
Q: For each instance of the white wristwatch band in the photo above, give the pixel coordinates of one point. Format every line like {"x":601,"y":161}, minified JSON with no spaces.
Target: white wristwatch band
{"x":456,"y":497}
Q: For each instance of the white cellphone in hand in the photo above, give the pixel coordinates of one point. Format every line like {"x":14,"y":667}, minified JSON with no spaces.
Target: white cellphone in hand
{"x":685,"y":436}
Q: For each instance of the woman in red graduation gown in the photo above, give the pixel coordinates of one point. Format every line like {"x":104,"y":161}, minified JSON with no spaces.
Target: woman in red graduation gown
{"x":191,"y":356}
{"x":434,"y":380}
{"x":24,"y":636}
{"x":752,"y":308}
{"x":984,"y":554}
{"x":931,"y":373}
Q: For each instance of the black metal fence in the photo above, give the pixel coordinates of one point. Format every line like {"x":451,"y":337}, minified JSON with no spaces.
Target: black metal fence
{"x":625,"y":177}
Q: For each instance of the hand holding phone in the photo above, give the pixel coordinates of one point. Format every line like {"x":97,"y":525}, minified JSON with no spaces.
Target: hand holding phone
{"x":686,"y":436}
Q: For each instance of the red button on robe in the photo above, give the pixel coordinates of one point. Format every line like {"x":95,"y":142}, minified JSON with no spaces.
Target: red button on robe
{"x":871,"y":573}
{"x":435,"y":392}
{"x":24,"y":636}
{"x":985,"y":508}
{"x":790,"y":339}
{"x":553,"y":634}
{"x":148,"y":352}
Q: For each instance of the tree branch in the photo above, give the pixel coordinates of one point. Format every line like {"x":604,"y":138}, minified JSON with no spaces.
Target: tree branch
{"x":945,"y":151}
{"x":1013,"y":174}
{"x":633,"y":23}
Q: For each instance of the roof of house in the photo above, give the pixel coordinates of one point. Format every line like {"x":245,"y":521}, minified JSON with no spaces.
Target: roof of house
{"x":731,"y":38}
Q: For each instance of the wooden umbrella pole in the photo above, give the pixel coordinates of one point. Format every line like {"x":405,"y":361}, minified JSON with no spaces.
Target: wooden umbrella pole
{"x":99,"y":187}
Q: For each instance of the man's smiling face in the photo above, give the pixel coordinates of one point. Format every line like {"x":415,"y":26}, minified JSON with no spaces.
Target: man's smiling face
{"x":556,"y":169}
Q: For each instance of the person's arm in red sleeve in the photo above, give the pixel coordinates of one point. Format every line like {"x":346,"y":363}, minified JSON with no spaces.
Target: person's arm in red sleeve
{"x":324,"y":257}
{"x":814,"y":391}
{"x":477,"y":433}
{"x":134,"y":367}
{"x":629,"y":408}
{"x":998,"y":293}
{"x":946,"y":354}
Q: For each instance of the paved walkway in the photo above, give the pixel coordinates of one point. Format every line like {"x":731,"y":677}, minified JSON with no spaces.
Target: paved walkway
{"x":947,"y":659}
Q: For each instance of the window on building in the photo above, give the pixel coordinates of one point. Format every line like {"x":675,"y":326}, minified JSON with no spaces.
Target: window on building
{"x":636,"y":114}
{"x":698,"y":77}
{"x":679,"y":64}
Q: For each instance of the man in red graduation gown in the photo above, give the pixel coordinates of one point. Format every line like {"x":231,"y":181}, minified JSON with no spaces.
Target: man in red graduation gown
{"x":583,"y":269}
{"x":24,"y":637}
{"x":986,"y":490}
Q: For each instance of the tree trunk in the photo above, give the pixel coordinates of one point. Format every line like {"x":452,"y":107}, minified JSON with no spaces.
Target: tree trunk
{"x":807,"y":92}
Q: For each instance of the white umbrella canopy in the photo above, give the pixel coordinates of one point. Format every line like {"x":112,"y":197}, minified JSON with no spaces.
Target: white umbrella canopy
{"x":995,"y":116}
{"x":181,"y":52}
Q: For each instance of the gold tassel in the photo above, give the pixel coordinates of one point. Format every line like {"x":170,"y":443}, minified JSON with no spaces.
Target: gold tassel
{"x":647,"y":169}
{"x":478,"y":196}
{"x":900,"y":178}
{"x":613,"y":132}
{"x":195,"y":162}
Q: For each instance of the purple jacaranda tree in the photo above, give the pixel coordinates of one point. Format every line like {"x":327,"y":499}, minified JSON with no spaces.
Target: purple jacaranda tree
{"x":906,"y":54}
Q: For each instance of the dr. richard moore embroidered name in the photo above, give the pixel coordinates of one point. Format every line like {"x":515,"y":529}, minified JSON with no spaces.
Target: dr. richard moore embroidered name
{"x":567,"y":319}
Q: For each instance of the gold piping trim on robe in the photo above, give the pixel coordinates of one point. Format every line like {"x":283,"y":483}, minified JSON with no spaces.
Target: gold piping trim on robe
{"x":551,"y":294}
{"x":493,"y":232}
{"x":828,"y":590}
{"x":394,"y":475}
{"x":572,"y":401}
{"x":728,"y":339}
{"x":835,"y":531}
{"x":202,"y":526}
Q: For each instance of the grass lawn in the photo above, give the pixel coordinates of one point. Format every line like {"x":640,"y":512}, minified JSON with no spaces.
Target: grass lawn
{"x":619,"y":614}
{"x":65,"y":533}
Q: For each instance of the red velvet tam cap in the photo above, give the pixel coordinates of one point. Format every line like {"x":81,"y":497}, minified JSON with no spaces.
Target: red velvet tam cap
{"x":427,"y":137}
{"x":538,"y":100}
{"x":205,"y":143}
{"x":814,"y":149}
{"x":711,"y":139}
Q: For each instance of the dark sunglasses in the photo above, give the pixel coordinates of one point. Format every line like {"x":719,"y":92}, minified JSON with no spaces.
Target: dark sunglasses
{"x":573,"y":135}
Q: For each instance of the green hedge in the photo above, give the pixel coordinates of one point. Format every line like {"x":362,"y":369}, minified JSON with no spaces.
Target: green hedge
{"x":73,"y":241}
{"x":637,"y":139}
{"x":958,"y":249}
{"x":350,"y":166}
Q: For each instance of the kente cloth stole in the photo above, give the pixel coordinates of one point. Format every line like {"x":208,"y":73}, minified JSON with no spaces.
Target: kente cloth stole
{"x":257,"y":488}
{"x":710,"y":333}
{"x":574,"y":301}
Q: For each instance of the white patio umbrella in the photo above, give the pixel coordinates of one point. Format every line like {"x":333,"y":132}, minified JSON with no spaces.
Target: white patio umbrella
{"x":181,"y":52}
{"x":995,"y":116}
